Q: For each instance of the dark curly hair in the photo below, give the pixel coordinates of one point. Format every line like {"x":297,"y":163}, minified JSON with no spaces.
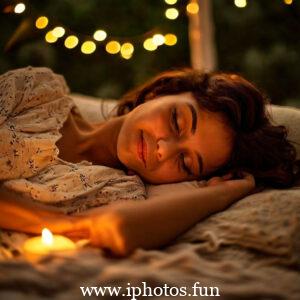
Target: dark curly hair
{"x":260,"y":147}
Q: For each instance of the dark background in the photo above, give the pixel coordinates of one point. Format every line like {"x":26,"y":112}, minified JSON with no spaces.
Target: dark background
{"x":260,"y":41}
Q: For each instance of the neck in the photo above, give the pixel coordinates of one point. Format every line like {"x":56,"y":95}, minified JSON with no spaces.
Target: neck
{"x":100,"y":146}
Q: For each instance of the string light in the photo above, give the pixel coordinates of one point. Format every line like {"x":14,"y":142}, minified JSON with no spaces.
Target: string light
{"x":50,"y":38}
{"x":127,"y":49}
{"x":192,"y":8}
{"x":19,"y":8}
{"x":126,"y":56}
{"x":100,"y":35}
{"x":71,"y":42}
{"x":113,"y":47}
{"x":170,"y":39}
{"x":172,"y":13}
{"x":240,"y":3}
{"x":170,"y":2}
{"x":288,"y":2}
{"x":158,"y":39}
{"x":41,"y":22}
{"x":88,"y":47}
{"x":58,"y":31}
{"x":149,"y":44}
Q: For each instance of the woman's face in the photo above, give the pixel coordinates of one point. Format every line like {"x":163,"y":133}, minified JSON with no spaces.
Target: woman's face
{"x":170,"y":139}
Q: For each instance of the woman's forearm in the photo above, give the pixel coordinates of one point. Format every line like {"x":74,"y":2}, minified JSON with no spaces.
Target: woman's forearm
{"x":26,"y":216}
{"x":156,"y":222}
{"x":123,"y":227}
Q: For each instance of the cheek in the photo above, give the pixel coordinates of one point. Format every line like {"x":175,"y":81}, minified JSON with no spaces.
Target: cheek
{"x":125,"y":145}
{"x":153,"y":118}
{"x":165,"y":173}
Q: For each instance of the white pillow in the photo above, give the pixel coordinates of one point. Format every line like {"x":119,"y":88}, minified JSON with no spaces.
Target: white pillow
{"x":96,"y":110}
{"x":290,"y":118}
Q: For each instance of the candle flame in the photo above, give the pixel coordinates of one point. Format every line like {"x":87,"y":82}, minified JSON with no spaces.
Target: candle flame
{"x":47,"y":237}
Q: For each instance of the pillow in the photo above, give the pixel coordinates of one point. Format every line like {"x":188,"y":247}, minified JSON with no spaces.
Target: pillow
{"x":97,"y":110}
{"x":289,"y":117}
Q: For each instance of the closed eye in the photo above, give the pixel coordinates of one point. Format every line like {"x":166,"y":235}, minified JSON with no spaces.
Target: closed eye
{"x":183,"y":166}
{"x":174,"y":120}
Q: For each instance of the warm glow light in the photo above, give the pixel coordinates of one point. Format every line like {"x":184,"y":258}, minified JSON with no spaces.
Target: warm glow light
{"x":158,"y":39}
{"x":170,"y":39}
{"x":126,"y":56}
{"x":172,"y":13}
{"x":88,"y":47}
{"x":192,"y":8}
{"x":58,"y":31}
{"x":127,"y":50}
{"x":170,"y":2}
{"x":41,"y":22}
{"x":240,"y":3}
{"x":50,"y":38}
{"x":100,"y":35}
{"x":47,"y":237}
{"x":149,"y":45}
{"x":288,"y":2}
{"x":19,"y":8}
{"x":113,"y":47}
{"x":71,"y":42}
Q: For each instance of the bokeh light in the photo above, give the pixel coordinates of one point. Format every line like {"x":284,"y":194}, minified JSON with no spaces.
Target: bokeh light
{"x":192,"y":8}
{"x":88,"y":47}
{"x":170,"y":39}
{"x":19,"y":8}
{"x":149,"y":44}
{"x":172,"y":13}
{"x":240,"y":3}
{"x":158,"y":39}
{"x":58,"y":31}
{"x":170,"y":2}
{"x":100,"y":35}
{"x":41,"y":22}
{"x":113,"y":47}
{"x":71,"y":42}
{"x":50,"y":38}
{"x":127,"y":49}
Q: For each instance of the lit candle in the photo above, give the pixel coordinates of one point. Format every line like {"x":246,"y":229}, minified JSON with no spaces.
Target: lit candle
{"x":47,"y":243}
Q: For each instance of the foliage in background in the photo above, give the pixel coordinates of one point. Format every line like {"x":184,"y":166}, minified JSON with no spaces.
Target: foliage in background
{"x":99,"y":74}
{"x":260,"y":41}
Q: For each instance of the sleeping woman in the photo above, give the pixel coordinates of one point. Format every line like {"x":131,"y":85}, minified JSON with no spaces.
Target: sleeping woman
{"x":59,"y":171}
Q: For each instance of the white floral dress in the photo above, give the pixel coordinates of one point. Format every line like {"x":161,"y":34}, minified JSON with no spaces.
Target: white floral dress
{"x":34,"y":104}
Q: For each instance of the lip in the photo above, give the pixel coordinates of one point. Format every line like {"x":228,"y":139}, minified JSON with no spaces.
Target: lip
{"x":142,"y":148}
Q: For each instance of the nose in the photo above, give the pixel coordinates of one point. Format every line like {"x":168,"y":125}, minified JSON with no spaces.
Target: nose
{"x":167,"y":148}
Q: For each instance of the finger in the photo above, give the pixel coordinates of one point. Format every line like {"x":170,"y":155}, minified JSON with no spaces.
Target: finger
{"x":214,"y":180}
{"x":227,"y":176}
{"x":245,"y":175}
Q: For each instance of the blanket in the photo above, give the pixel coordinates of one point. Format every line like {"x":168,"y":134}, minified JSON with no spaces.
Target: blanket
{"x":249,"y":251}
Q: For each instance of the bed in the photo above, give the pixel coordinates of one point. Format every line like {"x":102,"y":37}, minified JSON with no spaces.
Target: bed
{"x":249,"y":251}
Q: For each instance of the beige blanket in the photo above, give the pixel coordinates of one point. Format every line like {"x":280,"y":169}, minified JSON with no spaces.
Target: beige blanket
{"x":249,"y":251}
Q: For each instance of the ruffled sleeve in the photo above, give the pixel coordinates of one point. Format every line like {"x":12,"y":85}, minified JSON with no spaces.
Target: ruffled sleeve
{"x":34,"y":104}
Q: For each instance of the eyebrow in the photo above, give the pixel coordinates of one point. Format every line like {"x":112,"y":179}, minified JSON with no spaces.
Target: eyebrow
{"x":194,"y":117}
{"x":193,"y":130}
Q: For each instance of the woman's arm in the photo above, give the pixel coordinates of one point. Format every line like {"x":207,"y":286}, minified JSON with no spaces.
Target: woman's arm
{"x":22,"y":215}
{"x":156,"y":222}
{"x":122,"y":227}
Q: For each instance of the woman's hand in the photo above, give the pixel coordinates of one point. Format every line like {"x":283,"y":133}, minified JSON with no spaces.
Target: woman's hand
{"x":245,"y":184}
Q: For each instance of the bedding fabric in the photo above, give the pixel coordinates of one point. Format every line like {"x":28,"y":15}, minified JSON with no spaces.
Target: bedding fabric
{"x":249,"y":251}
